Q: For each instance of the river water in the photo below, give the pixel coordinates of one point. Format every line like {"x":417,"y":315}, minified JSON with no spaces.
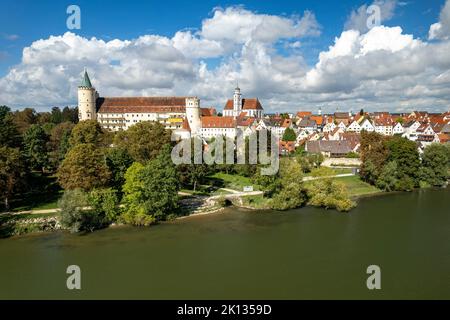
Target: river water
{"x":307,"y":253}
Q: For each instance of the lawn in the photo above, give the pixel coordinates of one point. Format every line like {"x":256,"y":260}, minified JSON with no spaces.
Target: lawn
{"x":231,"y":181}
{"x":357,"y":187}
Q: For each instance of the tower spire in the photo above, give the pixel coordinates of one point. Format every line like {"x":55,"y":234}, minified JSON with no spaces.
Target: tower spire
{"x":86,"y":82}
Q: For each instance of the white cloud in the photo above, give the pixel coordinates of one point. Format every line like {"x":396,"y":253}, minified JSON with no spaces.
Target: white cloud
{"x":358,"y":18}
{"x":382,"y":68}
{"x":441,"y":29}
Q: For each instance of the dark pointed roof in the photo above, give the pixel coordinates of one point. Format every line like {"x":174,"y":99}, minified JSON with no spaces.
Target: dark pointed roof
{"x":86,"y":82}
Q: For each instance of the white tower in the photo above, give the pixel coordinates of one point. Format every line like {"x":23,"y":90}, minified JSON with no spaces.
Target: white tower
{"x":237,"y":102}
{"x":87,"y":97}
{"x":193,"y":115}
{"x":320,"y":111}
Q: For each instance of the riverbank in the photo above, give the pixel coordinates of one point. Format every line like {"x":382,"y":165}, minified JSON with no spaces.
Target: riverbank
{"x":306,"y":253}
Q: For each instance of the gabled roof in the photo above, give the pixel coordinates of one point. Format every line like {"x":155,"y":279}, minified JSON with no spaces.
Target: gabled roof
{"x":333,"y":146}
{"x":208,"y":112}
{"x":218,"y":122}
{"x":141,"y":104}
{"x":302,"y":114}
{"x":247,"y":104}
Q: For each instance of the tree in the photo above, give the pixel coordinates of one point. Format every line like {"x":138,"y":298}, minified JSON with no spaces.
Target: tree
{"x":404,"y":153}
{"x":329,"y":194}
{"x":81,"y":211}
{"x":25,"y":118}
{"x":118,"y":161}
{"x":9,"y":135}
{"x":388,"y":177}
{"x":70,"y":115}
{"x":88,"y":132}
{"x":291,"y":193}
{"x":151,"y":191}
{"x":59,"y":142}
{"x":84,"y":168}
{"x":12,"y":172}
{"x":192,"y":174}
{"x":56,"y":115}
{"x":35,"y":147}
{"x":105,"y":203}
{"x":435,"y":165}
{"x":374,"y":154}
{"x":289,"y":135}
{"x":143,"y":141}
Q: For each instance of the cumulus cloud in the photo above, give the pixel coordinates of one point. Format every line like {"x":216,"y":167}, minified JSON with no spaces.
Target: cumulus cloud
{"x":359,"y":17}
{"x":381,"y":68}
{"x":441,"y":29}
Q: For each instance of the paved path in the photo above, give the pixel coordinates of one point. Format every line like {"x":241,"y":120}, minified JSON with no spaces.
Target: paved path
{"x":336,"y":176}
{"x":237,"y":194}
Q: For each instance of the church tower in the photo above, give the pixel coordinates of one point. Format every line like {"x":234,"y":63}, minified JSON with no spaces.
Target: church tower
{"x":87,"y":97}
{"x":237,"y":102}
{"x":193,"y":115}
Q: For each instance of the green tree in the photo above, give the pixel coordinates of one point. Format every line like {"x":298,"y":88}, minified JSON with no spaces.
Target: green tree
{"x":329,"y":194}
{"x":36,"y":147}
{"x":81,"y":211}
{"x":9,"y":135}
{"x":289,"y":135}
{"x":84,"y":168}
{"x":59,"y":142}
{"x":12,"y":172}
{"x":388,"y":178}
{"x":151,"y":191}
{"x":404,"y":153}
{"x":105,"y":203}
{"x":89,"y":132}
{"x":374,"y":154}
{"x":56,"y":115}
{"x":143,"y":141}
{"x":435,"y":165}
{"x":291,"y":194}
{"x":118,"y":161}
{"x":25,"y":118}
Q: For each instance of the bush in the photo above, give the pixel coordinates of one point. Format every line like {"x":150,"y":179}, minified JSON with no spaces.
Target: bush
{"x":104,"y":202}
{"x":330,"y":194}
{"x":74,"y":213}
{"x":81,"y":211}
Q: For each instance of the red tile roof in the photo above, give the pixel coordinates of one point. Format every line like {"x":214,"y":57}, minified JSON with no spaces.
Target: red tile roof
{"x":141,"y":104}
{"x":218,"y":122}
{"x":302,"y":114}
{"x":247,"y":104}
{"x":208,"y":112}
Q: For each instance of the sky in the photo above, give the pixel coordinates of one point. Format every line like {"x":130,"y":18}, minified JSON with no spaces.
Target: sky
{"x":292,"y":55}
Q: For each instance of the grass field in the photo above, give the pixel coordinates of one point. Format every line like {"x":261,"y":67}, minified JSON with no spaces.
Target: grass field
{"x":231,"y":181}
{"x":356,"y":187}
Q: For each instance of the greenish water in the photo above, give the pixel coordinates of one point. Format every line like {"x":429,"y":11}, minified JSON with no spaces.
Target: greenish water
{"x":301,"y":254}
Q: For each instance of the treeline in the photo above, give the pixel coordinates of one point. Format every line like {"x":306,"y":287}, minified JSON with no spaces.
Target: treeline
{"x":394,"y":163}
{"x":128,"y":176}
{"x":29,"y":142}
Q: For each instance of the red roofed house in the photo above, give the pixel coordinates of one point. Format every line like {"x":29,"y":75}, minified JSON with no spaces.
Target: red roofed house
{"x":252,"y":107}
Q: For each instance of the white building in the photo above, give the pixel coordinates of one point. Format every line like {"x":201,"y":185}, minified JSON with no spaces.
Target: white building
{"x":183,"y":115}
{"x":367,"y":126}
{"x":236,"y":106}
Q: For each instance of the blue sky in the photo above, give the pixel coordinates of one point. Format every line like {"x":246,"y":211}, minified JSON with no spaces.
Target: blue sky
{"x":24,"y":22}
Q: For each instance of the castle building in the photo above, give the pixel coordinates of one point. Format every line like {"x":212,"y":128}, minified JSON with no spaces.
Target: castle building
{"x":180,"y":114}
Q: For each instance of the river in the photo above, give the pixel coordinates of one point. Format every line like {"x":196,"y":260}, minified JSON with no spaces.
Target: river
{"x":307,"y":253}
